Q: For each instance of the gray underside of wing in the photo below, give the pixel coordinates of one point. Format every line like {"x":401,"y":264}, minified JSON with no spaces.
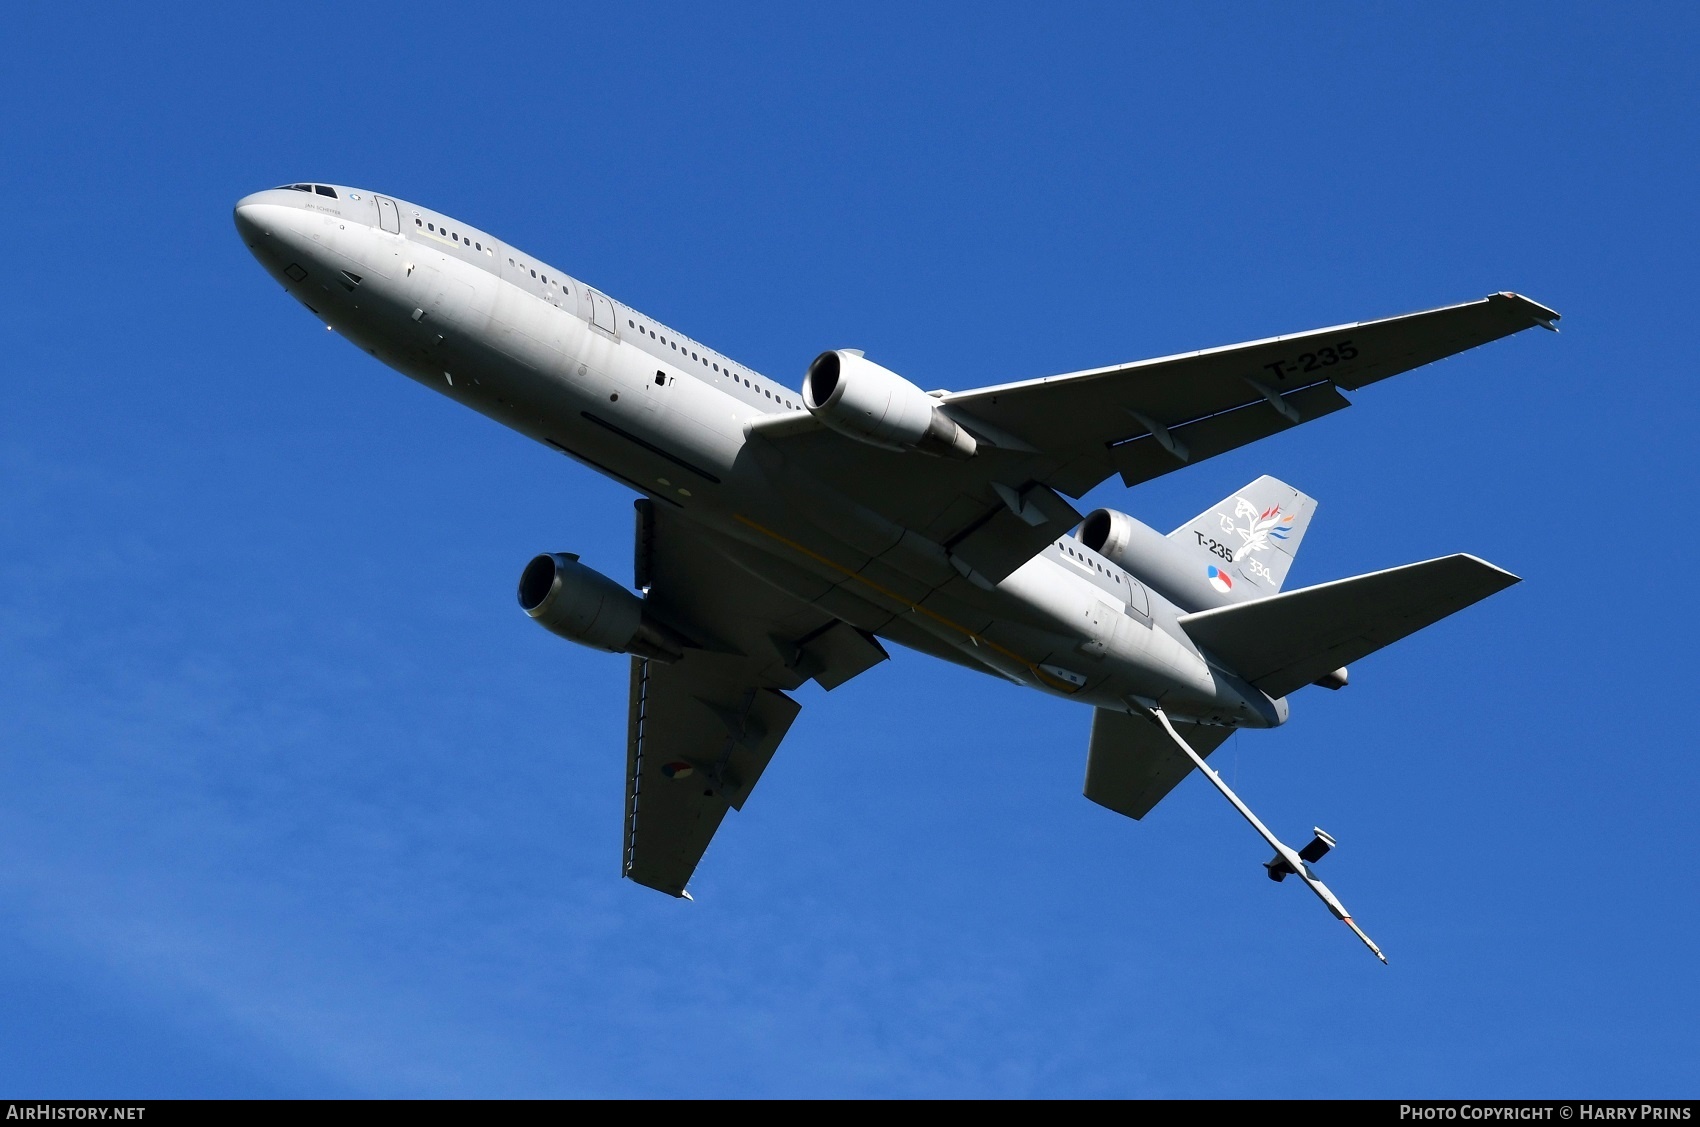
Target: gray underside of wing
{"x":1286,"y":641}
{"x":697,"y":743}
{"x":1132,"y":763}
{"x":1152,"y":417}
{"x":702,"y":730}
{"x":1045,"y":440}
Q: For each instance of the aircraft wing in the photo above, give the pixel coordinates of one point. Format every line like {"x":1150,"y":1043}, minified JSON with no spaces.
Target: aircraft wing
{"x":1044,"y":440}
{"x":1286,"y":641}
{"x":1197,"y":399}
{"x":701,"y":730}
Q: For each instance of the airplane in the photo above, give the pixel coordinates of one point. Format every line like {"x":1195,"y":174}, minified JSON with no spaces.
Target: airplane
{"x":786,"y":535}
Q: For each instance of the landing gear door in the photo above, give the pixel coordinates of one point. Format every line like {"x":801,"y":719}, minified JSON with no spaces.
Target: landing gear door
{"x":602,"y":313}
{"x":388,"y":217}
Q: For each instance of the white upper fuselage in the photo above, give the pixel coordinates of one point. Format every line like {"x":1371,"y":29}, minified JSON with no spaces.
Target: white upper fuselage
{"x":523,"y":342}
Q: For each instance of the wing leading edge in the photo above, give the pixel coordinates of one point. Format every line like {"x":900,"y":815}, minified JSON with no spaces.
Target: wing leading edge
{"x":1154,"y":416}
{"x":697,"y":742}
{"x":702,"y":730}
{"x":1056,"y":437}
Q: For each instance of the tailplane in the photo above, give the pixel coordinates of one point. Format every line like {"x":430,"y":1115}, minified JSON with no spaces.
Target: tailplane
{"x":1247,"y":542}
{"x":1285,"y":641}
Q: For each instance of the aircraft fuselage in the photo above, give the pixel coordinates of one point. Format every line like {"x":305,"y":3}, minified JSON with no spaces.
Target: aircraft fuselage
{"x":504,"y":333}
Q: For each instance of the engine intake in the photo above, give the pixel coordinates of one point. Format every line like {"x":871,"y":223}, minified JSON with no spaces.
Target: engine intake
{"x":1148,"y":554}
{"x":856,"y":397}
{"x":582,"y":605}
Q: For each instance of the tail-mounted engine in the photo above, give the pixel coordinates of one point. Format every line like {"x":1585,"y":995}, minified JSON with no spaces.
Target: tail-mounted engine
{"x":1147,"y":553}
{"x":854,"y":396}
{"x":582,"y":605}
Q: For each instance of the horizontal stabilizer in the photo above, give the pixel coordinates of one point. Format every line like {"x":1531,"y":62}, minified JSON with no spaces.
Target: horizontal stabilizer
{"x":1286,"y":641}
{"x":1133,"y":763}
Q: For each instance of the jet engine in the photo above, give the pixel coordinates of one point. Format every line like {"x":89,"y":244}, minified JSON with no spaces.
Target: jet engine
{"x":854,"y":396}
{"x":582,"y":605}
{"x":1146,"y":553}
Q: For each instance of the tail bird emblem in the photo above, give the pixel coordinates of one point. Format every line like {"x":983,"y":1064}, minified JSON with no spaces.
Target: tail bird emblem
{"x":1259,"y":529}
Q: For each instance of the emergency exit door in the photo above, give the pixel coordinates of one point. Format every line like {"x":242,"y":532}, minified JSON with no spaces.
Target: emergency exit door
{"x":602,"y":312}
{"x":388,"y":217}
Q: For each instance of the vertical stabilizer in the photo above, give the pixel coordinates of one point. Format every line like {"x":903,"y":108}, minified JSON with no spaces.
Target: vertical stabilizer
{"x":1247,"y":542}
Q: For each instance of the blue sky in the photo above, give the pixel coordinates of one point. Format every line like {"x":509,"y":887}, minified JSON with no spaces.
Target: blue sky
{"x":294,"y":801}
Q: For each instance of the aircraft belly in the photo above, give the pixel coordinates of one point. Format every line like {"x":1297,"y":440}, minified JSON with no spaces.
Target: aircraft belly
{"x":1042,"y":616}
{"x":1117,"y":653}
{"x":1040,"y":620}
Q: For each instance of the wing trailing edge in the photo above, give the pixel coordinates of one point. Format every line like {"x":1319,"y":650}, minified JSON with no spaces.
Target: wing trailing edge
{"x":1286,"y":641}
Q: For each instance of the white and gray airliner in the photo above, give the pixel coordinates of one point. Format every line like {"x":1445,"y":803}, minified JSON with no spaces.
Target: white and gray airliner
{"x":785,"y":535}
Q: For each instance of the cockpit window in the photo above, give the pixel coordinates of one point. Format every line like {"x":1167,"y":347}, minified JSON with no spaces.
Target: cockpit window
{"x":302,"y":187}
{"x":324,"y":191}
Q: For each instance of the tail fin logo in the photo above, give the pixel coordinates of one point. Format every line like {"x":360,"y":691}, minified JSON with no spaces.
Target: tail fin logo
{"x":1260,"y":527}
{"x":1219,"y":579}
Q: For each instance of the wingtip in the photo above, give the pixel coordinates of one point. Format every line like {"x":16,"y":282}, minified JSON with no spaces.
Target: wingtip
{"x":1538,"y":314}
{"x":1510,"y":577}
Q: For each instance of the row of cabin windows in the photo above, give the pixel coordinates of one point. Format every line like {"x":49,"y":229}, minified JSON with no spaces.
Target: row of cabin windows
{"x":1081,"y":556}
{"x":455,"y":235}
{"x":320,"y":189}
{"x":707,"y":363}
{"x":543,"y":278}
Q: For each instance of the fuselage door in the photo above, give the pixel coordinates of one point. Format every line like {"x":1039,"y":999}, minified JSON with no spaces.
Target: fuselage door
{"x":388,"y":217}
{"x":602,"y":312}
{"x":1137,"y":600}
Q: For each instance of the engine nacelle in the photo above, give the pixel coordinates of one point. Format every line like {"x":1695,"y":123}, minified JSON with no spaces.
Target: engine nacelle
{"x":1152,"y":558}
{"x":854,"y":396}
{"x":582,"y":605}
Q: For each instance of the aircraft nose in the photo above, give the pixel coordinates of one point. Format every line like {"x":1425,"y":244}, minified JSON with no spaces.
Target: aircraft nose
{"x":271,"y":225}
{"x":248,"y":216}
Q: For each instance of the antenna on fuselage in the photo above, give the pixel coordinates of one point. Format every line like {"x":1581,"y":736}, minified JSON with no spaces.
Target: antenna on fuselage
{"x":1287,"y":860}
